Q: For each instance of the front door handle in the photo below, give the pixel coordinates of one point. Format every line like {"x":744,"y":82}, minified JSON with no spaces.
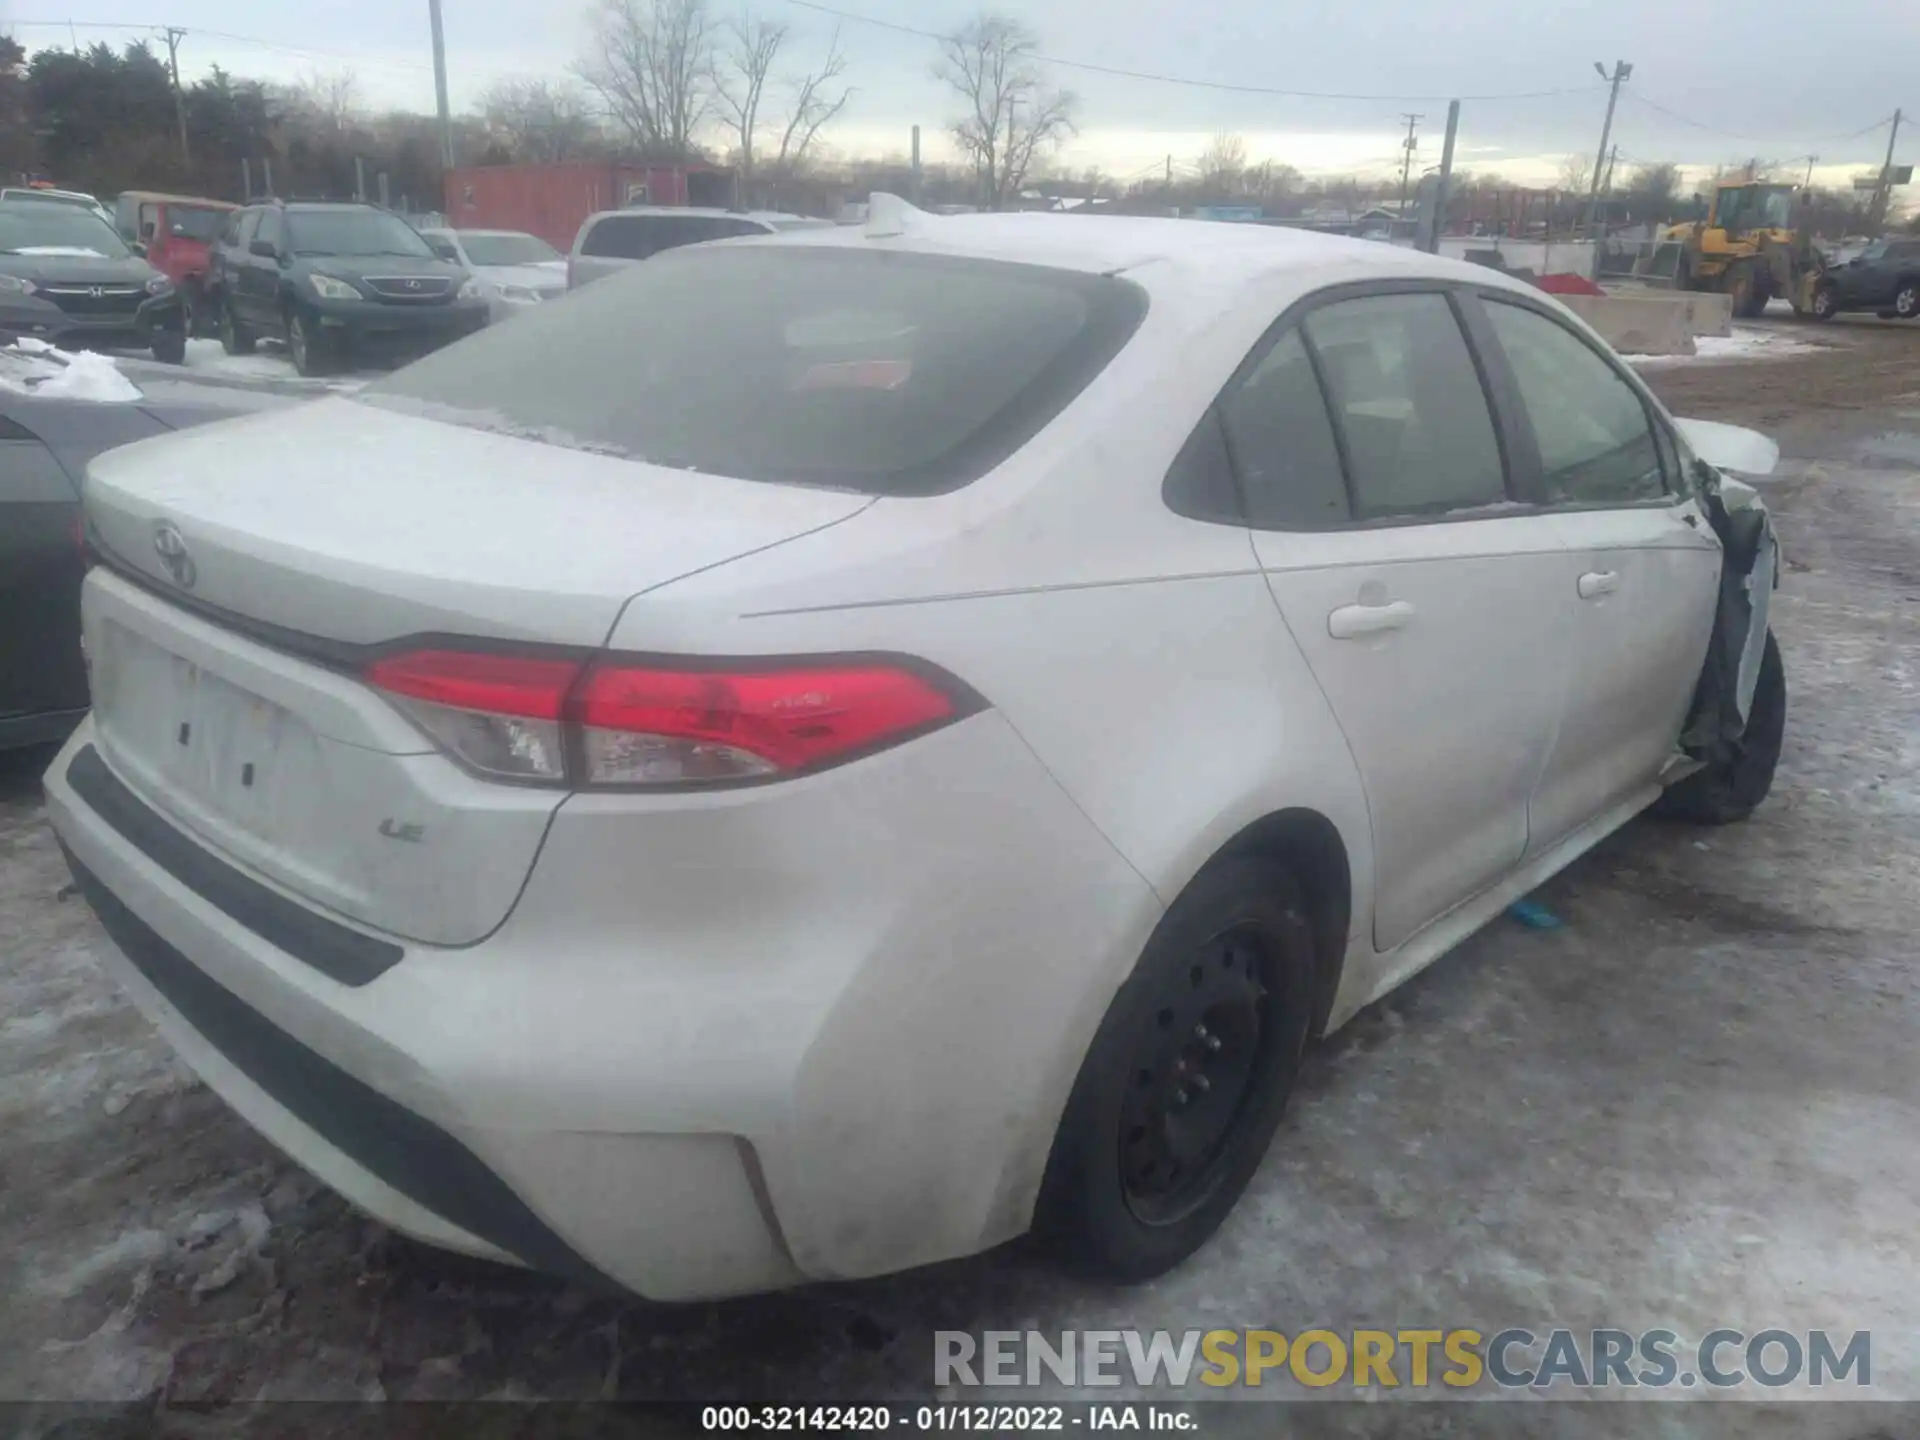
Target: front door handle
{"x":1352,"y":621}
{"x":1596,"y":583}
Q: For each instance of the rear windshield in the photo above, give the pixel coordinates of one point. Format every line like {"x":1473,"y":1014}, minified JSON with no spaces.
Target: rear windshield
{"x":881,"y":372}
{"x":196,"y":222}
{"x":635,"y":237}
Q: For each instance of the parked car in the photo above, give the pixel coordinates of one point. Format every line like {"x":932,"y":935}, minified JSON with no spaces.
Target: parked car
{"x":45,"y":442}
{"x":176,"y":234}
{"x":339,"y":281}
{"x":615,"y":239}
{"x":66,"y":278}
{"x":47,"y":195}
{"x":854,"y":745}
{"x":515,"y":269}
{"x":1883,"y":277}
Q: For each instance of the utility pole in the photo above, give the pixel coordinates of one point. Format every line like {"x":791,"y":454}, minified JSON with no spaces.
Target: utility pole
{"x":1883,"y":193}
{"x":174,"y":36}
{"x":440,"y":85}
{"x":1621,"y":70}
{"x":1406,"y":161}
{"x":1613,"y":158}
{"x":1807,"y":184}
{"x":914,"y":185}
{"x":1434,"y":221}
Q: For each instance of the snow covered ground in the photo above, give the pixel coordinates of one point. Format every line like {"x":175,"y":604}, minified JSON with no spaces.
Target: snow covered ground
{"x":1748,"y":342}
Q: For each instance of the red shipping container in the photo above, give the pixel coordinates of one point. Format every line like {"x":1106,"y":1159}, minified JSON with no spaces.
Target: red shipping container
{"x":552,"y":201}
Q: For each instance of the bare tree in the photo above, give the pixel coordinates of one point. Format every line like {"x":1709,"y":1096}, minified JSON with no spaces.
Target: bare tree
{"x":815,"y":103}
{"x":331,"y":96}
{"x":538,"y":120}
{"x":1223,"y":166}
{"x":1653,"y":192}
{"x":1015,"y":117}
{"x":653,"y":71}
{"x":1576,"y":174}
{"x":742,"y":77}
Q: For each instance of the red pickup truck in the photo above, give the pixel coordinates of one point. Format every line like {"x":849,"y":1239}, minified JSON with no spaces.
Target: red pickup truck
{"x":178,"y":232}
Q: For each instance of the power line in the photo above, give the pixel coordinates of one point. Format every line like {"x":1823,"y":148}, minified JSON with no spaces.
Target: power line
{"x":227,"y":35}
{"x":1757,"y":139}
{"x":1186,"y":80}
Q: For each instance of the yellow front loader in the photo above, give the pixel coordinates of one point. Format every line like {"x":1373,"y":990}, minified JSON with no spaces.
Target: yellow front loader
{"x":1748,"y":246}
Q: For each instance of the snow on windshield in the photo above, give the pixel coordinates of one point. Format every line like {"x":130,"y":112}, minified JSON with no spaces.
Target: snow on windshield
{"x":33,"y":367}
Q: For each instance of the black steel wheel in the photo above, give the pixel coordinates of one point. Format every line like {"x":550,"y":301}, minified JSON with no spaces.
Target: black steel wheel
{"x":1194,"y":1064}
{"x":1186,"y":1079}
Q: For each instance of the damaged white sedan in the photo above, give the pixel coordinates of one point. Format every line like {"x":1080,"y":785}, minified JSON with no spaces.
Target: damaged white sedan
{"x":835,"y":750}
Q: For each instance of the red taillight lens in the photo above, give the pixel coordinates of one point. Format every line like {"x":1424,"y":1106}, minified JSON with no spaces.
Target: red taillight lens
{"x":627,"y":724}
{"x":652,"y":726}
{"x":474,"y":680}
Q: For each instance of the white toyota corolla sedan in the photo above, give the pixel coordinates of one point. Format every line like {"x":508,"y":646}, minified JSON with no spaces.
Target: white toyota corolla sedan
{"x":825,"y":753}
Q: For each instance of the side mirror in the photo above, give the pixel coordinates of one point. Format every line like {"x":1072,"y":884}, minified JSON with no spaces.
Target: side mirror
{"x":264,"y":249}
{"x":139,"y":247}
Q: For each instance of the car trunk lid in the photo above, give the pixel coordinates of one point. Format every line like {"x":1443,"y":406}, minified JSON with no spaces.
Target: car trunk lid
{"x":225,"y":660}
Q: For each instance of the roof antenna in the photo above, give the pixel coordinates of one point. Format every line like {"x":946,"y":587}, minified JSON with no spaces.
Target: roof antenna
{"x":889,"y":215}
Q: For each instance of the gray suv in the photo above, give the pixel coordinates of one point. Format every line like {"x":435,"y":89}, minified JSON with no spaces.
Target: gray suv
{"x":615,"y":239}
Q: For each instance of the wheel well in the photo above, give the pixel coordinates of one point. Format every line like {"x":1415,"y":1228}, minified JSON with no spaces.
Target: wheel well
{"x":1308,"y":845}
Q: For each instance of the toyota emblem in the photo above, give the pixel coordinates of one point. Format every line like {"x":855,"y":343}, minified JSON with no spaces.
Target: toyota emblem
{"x":171,"y":546}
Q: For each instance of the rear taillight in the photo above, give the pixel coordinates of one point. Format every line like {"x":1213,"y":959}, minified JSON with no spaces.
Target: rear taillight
{"x":610,"y":722}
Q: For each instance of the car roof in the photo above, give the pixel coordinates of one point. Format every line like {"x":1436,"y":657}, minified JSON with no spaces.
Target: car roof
{"x":474,"y":230}
{"x":78,"y":197}
{"x":158,"y":195}
{"x":1111,"y":244}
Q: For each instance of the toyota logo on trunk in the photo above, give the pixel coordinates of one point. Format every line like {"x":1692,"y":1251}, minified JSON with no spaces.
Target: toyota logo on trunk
{"x":171,"y":546}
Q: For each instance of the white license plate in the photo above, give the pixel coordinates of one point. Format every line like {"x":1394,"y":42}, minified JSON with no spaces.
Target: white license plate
{"x":210,"y":742}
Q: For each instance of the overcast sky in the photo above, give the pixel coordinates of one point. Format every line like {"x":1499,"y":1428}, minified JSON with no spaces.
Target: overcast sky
{"x":1767,"y":80}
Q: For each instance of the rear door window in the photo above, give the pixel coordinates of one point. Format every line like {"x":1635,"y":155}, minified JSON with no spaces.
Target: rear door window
{"x":1282,"y":442}
{"x":270,"y":229}
{"x":1596,"y":441}
{"x":1407,"y":398}
{"x":880,"y":372}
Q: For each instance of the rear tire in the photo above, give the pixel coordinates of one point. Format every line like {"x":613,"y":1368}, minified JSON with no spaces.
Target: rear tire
{"x":1732,"y":789}
{"x":235,"y":338}
{"x":1186,"y":1078}
{"x":1906,"y":300}
{"x":170,"y":347}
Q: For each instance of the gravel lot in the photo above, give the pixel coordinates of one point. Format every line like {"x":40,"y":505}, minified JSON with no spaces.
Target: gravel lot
{"x":1692,"y":1106}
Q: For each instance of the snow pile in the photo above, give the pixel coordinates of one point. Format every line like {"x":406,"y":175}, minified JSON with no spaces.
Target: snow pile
{"x":1746,"y":343}
{"x":33,"y":367}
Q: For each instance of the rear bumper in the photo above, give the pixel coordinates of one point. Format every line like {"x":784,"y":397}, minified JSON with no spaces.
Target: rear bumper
{"x":634,"y":1079}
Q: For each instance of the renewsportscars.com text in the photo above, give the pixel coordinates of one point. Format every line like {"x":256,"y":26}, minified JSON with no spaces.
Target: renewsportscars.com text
{"x":1413,"y":1358}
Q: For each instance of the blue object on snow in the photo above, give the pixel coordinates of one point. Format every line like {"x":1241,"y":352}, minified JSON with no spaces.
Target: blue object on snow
{"x":1534,"y":915}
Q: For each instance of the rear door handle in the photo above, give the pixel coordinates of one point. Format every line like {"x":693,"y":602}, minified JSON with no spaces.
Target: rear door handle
{"x":1596,"y":583}
{"x":1352,"y":621}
